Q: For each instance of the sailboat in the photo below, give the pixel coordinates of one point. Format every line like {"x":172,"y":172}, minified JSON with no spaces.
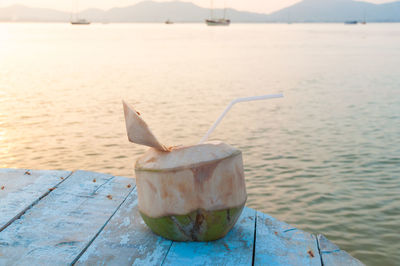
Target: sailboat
{"x":351,"y":22}
{"x":365,"y":20}
{"x":80,"y":22}
{"x":217,"y":22}
{"x":77,"y":20}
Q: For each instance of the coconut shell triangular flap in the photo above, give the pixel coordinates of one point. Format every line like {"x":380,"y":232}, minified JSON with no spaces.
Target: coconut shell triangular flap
{"x":138,"y":131}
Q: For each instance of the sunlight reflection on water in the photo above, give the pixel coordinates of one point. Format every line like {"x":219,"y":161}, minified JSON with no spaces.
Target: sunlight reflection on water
{"x":325,"y":158}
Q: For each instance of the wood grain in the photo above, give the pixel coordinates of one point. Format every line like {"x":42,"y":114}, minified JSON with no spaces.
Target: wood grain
{"x":278,"y":243}
{"x":58,"y":228}
{"x":90,"y":218}
{"x":20,"y":189}
{"x":332,"y":255}
{"x":126,"y":240}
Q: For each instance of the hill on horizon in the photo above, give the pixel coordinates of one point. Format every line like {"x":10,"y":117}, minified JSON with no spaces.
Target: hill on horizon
{"x":337,"y":11}
{"x":150,"y":11}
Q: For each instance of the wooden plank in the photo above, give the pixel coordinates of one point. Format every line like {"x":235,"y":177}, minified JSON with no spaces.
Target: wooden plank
{"x":126,"y":240}
{"x":61,"y":226}
{"x":236,"y":248}
{"x":332,"y":255}
{"x":20,"y":189}
{"x":278,"y":243}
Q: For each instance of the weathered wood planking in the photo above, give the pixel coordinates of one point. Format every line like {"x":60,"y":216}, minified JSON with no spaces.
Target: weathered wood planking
{"x":93,"y":217}
{"x":278,"y":243}
{"x":332,"y":255}
{"x":126,"y":240}
{"x":22,"y":188}
{"x":62,"y":225}
{"x":236,"y":248}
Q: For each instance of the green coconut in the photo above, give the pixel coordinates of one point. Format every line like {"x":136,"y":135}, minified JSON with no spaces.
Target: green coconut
{"x":198,"y":225}
{"x":187,"y":193}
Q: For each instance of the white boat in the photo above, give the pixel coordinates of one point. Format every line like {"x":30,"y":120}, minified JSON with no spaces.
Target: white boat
{"x":80,"y":22}
{"x":75,"y":20}
{"x":365,"y":19}
{"x":217,"y":21}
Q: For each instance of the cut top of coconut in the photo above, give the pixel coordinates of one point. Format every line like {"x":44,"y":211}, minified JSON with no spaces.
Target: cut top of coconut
{"x":184,"y":156}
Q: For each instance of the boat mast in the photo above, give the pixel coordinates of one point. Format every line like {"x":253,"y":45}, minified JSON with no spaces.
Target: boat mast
{"x":365,"y":19}
{"x":76,"y":10}
{"x":212,"y":9}
{"x":72,"y":12}
{"x":224,"y":9}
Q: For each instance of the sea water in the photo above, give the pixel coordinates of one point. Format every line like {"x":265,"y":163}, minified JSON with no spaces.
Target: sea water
{"x":326,"y":158}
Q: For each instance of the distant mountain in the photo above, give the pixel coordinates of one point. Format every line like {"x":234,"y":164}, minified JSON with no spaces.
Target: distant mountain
{"x":337,"y":11}
{"x":23,"y":13}
{"x":146,"y":11}
{"x":149,"y":11}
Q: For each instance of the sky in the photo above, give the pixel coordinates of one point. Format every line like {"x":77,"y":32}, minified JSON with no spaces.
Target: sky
{"x":261,"y":6}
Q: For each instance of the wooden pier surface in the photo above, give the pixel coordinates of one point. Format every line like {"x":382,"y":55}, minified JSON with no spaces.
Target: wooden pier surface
{"x":86,"y":218}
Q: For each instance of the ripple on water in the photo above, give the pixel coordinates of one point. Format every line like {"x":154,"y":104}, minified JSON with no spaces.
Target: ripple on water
{"x":323,"y":158}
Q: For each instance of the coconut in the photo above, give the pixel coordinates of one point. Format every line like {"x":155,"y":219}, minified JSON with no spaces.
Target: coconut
{"x":187,"y":193}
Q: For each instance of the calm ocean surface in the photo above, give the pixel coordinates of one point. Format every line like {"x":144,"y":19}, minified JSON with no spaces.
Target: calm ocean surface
{"x":326,"y":158}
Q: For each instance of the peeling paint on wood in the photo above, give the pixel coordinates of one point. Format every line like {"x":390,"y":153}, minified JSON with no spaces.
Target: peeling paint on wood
{"x":278,"y":243}
{"x":332,"y":255}
{"x":76,"y":221}
{"x":236,"y":248}
{"x":58,"y":228}
{"x":126,"y":240}
{"x":21,"y":190}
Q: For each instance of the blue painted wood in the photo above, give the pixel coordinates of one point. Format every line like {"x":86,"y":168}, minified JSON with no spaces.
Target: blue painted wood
{"x":126,"y":240}
{"x":22,"y":188}
{"x":93,"y":217}
{"x":58,"y":228}
{"x":278,"y":243}
{"x":236,"y":248}
{"x":332,"y":255}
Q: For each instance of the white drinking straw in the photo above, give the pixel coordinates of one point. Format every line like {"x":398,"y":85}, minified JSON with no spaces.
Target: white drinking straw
{"x":238,"y":100}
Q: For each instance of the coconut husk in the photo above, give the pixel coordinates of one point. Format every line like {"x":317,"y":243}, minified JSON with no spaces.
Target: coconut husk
{"x":138,"y":131}
{"x":207,"y":176}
